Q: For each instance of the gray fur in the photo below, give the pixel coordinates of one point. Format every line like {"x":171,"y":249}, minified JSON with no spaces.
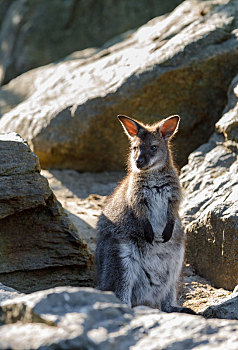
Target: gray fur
{"x":140,"y":248}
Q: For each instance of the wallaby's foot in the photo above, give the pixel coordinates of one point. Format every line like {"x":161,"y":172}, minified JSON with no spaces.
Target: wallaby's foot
{"x":185,"y":310}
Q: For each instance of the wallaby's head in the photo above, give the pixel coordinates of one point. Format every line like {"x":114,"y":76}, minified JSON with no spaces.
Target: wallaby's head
{"x":149,"y":144}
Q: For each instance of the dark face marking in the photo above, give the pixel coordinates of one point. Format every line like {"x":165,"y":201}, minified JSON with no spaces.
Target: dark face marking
{"x":145,"y":148}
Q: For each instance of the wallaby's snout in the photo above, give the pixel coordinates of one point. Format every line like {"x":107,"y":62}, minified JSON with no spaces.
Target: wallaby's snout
{"x":140,"y":162}
{"x":141,"y":159}
{"x":143,"y":156}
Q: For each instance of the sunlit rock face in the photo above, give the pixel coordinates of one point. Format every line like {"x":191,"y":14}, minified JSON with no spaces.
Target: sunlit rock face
{"x":181,"y":63}
{"x":35,"y":33}
{"x":210,"y":207}
{"x":85,"y":318}
{"x":39,"y":246}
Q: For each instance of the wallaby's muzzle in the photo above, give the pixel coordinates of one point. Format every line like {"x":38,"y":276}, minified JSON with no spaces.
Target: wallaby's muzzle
{"x":140,"y":162}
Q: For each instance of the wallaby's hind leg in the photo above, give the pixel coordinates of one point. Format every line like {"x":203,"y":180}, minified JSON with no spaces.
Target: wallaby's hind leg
{"x":116,"y":269}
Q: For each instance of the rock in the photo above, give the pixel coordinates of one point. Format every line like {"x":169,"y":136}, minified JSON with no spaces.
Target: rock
{"x":223,"y":309}
{"x":198,"y":294}
{"x":7,"y":293}
{"x":21,"y":186}
{"x":235,"y":291}
{"x":35,"y":33}
{"x":84,"y":318}
{"x":228,"y":124}
{"x":210,"y":208}
{"x":83,"y":196}
{"x":39,"y":246}
{"x":181,"y":63}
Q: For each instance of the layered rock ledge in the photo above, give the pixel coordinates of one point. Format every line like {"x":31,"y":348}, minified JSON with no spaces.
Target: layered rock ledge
{"x":210,"y":207}
{"x":39,"y":246}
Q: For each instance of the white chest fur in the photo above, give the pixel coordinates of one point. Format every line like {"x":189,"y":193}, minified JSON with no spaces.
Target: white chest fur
{"x":157,"y":199}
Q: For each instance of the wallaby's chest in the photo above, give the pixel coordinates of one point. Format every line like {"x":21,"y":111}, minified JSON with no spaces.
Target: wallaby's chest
{"x":156,"y":198}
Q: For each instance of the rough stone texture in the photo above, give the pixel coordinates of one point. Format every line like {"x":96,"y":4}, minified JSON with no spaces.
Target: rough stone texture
{"x":82,"y":196}
{"x":180,"y":63}
{"x":36,"y":32}
{"x":39,"y":246}
{"x":210,"y":208}
{"x":228,"y":124}
{"x":83,"y":318}
{"x":198,"y":294}
{"x":224,"y":309}
{"x":7,"y":293}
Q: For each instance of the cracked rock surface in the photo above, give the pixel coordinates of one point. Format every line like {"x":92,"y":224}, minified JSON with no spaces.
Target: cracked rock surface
{"x":84,"y":318}
{"x":26,"y":41}
{"x":180,"y":63}
{"x":210,"y":207}
{"x":39,"y":246}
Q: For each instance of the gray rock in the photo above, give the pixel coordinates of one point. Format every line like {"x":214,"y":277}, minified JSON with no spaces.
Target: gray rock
{"x":210,"y":208}
{"x":83,"y":196}
{"x":223,"y":309}
{"x":7,"y":293}
{"x":180,"y":63}
{"x":84,"y":318}
{"x":21,"y":185}
{"x":228,"y":124}
{"x":39,"y":246}
{"x":34,"y":33}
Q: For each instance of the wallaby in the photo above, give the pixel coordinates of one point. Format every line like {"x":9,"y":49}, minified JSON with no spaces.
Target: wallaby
{"x":140,"y":247}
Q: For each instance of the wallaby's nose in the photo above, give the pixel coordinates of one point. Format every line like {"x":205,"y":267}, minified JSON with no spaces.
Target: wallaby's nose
{"x":140,"y":162}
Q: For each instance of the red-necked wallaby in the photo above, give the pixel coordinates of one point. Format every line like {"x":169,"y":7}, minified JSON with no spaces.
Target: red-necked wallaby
{"x":140,"y":248}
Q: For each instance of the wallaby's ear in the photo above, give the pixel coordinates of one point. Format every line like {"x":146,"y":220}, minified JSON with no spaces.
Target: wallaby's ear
{"x":130,"y":125}
{"x":169,"y":126}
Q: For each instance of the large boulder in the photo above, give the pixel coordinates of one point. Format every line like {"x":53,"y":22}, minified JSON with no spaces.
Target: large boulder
{"x":39,"y":246}
{"x":36,"y":32}
{"x":84,"y":318}
{"x":181,"y":63}
{"x":210,"y":207}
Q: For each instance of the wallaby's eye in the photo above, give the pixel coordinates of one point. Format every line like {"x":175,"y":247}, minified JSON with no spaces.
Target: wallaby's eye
{"x":134,"y":148}
{"x":153,"y":148}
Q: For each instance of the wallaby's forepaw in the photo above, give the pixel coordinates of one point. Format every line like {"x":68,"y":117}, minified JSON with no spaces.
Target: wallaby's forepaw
{"x":149,"y":233}
{"x":168,"y":230}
